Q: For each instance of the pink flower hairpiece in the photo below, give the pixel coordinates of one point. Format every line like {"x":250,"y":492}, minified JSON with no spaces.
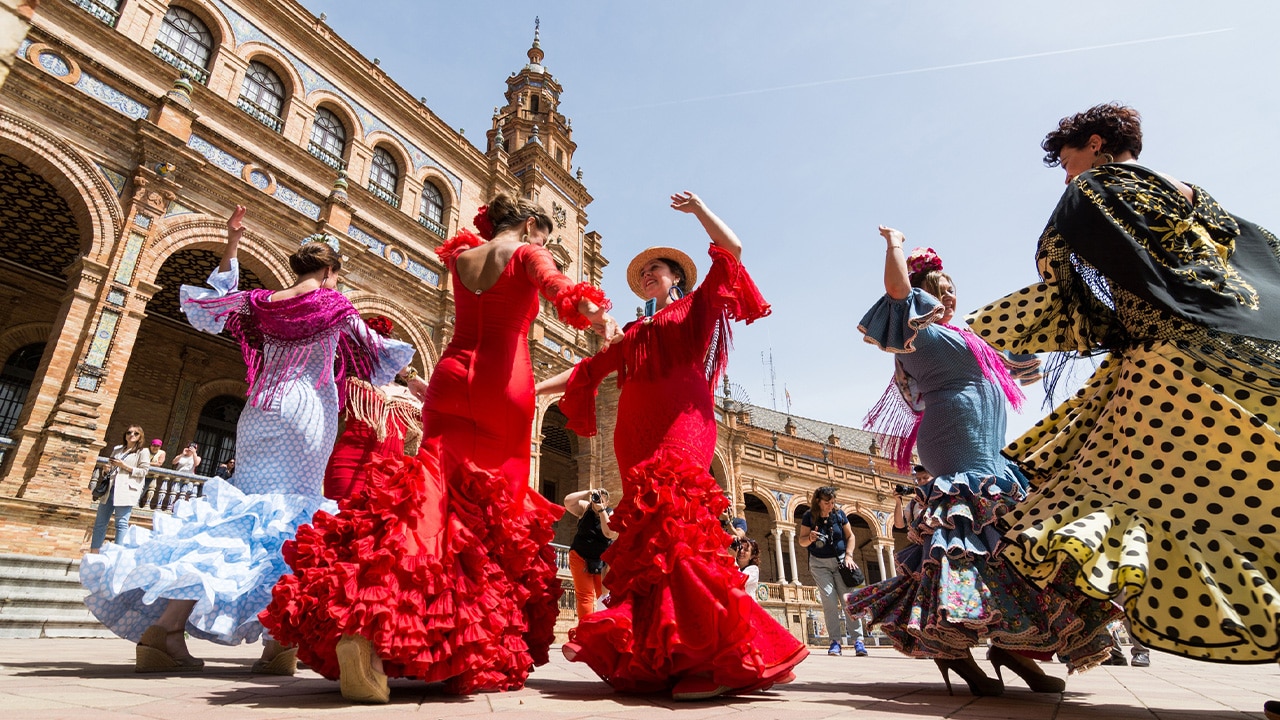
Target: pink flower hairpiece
{"x":923,"y":260}
{"x":484,"y":227}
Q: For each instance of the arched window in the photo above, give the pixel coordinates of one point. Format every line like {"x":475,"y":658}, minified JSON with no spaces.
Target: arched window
{"x":431,"y":210}
{"x":216,"y":432}
{"x":262,"y":95}
{"x":185,"y":43}
{"x":384,"y":177}
{"x":15,"y":381}
{"x":328,"y":138}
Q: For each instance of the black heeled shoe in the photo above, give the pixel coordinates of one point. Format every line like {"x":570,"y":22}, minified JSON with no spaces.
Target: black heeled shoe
{"x":979,"y":683}
{"x":1025,"y":668}
{"x":1271,"y":709}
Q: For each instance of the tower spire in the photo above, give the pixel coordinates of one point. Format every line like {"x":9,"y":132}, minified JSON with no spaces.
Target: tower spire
{"x":535,"y":52}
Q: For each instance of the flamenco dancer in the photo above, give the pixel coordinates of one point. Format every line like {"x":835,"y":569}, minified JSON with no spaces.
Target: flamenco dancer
{"x":207,"y":569}
{"x":379,"y":421}
{"x":679,"y":619}
{"x":440,"y":568}
{"x":1155,"y":483}
{"x":952,"y":592}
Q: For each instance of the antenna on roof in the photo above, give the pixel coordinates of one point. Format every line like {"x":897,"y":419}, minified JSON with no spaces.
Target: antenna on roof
{"x":771,"y":378}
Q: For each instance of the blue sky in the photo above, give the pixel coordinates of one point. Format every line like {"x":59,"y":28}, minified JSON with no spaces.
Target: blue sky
{"x":806,"y":125}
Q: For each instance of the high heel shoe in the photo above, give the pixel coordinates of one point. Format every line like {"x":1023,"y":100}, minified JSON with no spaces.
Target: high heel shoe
{"x":152,"y":654}
{"x":979,"y":683}
{"x":284,"y":661}
{"x":1025,"y":668}
{"x":357,"y":679}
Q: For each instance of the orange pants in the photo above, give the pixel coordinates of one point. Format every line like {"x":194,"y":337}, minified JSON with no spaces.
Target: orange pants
{"x":586,"y":587}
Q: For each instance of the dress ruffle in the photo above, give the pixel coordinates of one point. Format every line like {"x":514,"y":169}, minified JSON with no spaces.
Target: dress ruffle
{"x":440,"y":580}
{"x":463,"y":241}
{"x":892,"y":325}
{"x":738,"y":294}
{"x":677,"y":605}
{"x":222,"y":550}
{"x":567,"y":303}
{"x":954,"y":591}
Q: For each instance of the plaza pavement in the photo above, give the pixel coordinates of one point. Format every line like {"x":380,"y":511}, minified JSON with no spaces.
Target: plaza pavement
{"x":94,"y":679}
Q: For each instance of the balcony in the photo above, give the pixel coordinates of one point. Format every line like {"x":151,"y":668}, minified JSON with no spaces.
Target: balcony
{"x":257,"y":112}
{"x":324,"y":155}
{"x":432,"y":225}
{"x":169,"y":55}
{"x":384,"y":195}
{"x":105,"y":13}
{"x":163,"y":487}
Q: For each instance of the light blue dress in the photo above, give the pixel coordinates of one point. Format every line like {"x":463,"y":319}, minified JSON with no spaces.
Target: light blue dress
{"x":223,"y":550}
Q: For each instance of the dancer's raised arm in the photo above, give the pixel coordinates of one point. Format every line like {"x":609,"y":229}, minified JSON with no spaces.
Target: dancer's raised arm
{"x":235,"y":231}
{"x":897,"y":281}
{"x":720,"y":233}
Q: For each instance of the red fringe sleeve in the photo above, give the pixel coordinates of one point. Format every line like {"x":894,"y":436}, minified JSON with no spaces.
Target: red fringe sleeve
{"x":464,"y":240}
{"x":731,"y":289}
{"x":556,"y":287}
{"x":579,"y":400}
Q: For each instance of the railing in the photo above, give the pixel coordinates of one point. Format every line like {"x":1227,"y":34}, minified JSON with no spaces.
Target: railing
{"x":788,"y":593}
{"x":6,"y":444}
{"x":384,"y":194}
{"x":261,"y":114}
{"x":562,"y":560}
{"x":171,"y":56}
{"x":325,"y":156}
{"x":432,"y":225}
{"x":107,"y":14}
{"x":162,"y":488}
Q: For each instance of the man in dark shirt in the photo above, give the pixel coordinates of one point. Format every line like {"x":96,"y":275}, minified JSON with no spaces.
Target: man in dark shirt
{"x":592,"y":538}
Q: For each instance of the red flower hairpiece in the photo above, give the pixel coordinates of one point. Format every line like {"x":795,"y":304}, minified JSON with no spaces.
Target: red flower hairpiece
{"x":484,"y":226}
{"x":923,"y":260}
{"x":380,"y":324}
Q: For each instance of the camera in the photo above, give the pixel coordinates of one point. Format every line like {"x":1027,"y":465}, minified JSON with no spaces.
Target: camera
{"x":820,"y":539}
{"x":736,"y":545}
{"x":596,"y":497}
{"x":901,"y":489}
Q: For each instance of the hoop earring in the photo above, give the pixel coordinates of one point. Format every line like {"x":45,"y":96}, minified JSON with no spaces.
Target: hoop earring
{"x":524,"y":237}
{"x":675,"y":293}
{"x":1103,"y":159}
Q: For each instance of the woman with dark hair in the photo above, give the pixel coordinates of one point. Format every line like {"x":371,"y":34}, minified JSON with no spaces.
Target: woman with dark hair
{"x":828,"y":536}
{"x":130,"y":461}
{"x":207,"y":569}
{"x":747,"y":556}
{"x":677,"y":619}
{"x":952,"y":592}
{"x":1155,"y":482}
{"x":440,"y":569}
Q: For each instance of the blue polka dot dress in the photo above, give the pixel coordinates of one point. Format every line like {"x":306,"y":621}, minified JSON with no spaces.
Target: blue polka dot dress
{"x":223,"y":550}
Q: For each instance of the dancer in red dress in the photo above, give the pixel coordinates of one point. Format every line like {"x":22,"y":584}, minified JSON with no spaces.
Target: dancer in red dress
{"x":440,"y":568}
{"x":378,"y":421}
{"x":678,"y":618}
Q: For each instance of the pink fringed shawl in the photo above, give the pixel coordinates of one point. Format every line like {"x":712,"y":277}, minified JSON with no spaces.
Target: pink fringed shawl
{"x":298,"y":325}
{"x":896,"y":417}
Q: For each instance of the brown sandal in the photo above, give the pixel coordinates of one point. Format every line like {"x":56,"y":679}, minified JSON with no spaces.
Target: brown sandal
{"x":357,"y":679}
{"x":283,"y":662}
{"x":152,"y":654}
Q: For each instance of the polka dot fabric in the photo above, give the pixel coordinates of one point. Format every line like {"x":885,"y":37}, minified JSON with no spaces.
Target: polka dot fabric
{"x":1158,"y":477}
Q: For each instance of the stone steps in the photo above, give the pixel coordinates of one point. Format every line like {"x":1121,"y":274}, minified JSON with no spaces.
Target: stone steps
{"x":42,"y":597}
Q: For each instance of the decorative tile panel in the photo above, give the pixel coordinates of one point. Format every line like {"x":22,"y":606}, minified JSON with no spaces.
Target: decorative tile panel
{"x":87,"y":382}
{"x":97,"y":356}
{"x":111,"y":97}
{"x":783,"y":500}
{"x":422,"y":272}
{"x":259,"y":179}
{"x":142,"y":221}
{"x":395,"y":256}
{"x":366,"y":239}
{"x":132,"y":248}
{"x":215,"y":155}
{"x":548,"y":342}
{"x":177,"y":208}
{"x":54,"y":63}
{"x":116,"y":297}
{"x":116,"y":179}
{"x":297,"y":202}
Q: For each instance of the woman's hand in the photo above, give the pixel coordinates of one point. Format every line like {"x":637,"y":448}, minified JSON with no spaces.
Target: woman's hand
{"x":893,"y":238}
{"x":235,"y":223}
{"x":687,"y":202}
{"x":418,"y":387}
{"x":601,"y":322}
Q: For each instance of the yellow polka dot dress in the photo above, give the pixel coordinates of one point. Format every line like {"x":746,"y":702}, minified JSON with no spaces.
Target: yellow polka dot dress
{"x":1156,"y":481}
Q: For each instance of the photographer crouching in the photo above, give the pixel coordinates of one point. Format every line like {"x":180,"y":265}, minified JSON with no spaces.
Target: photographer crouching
{"x":591,"y":539}
{"x":830,"y":543}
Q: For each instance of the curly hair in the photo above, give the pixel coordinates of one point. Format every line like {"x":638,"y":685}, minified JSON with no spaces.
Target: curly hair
{"x":1119,"y":126}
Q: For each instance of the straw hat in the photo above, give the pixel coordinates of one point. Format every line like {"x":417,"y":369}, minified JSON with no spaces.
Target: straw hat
{"x":666,"y":253}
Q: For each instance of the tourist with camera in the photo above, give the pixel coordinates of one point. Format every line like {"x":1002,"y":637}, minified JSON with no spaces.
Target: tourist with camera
{"x":830,"y":542}
{"x":591,"y":539}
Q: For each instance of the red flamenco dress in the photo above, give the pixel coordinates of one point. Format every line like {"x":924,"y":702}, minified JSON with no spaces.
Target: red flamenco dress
{"x":377,"y":423}
{"x":443,"y":560}
{"x":677,"y":609}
